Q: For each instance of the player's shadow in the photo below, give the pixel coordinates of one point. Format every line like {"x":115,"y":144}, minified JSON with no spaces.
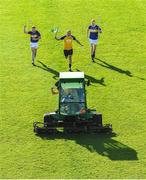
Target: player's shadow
{"x":102,"y":144}
{"x":114,"y":68}
{"x":48,"y":69}
{"x":91,"y":79}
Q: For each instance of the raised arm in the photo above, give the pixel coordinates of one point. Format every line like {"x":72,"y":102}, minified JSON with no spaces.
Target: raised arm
{"x":24,"y":29}
{"x":57,"y":38}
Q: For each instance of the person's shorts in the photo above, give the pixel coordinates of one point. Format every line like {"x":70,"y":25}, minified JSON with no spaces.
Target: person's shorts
{"x":68,"y":52}
{"x":93,"y":41}
{"x":34,"y":45}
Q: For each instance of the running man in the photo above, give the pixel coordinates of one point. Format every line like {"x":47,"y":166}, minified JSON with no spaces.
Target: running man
{"x":92,"y":34}
{"x":68,"y":50}
{"x":35,"y":36}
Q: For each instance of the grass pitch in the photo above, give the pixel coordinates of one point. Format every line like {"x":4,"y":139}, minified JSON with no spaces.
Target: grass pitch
{"x":118,"y":89}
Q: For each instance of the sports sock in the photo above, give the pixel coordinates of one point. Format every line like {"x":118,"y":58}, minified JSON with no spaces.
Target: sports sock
{"x":93,"y":54}
{"x":33,"y":56}
{"x":69,"y":67}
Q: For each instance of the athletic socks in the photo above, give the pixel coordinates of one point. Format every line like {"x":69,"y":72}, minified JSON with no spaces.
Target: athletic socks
{"x":33,"y":57}
{"x":93,"y":56}
{"x":69,"y":67}
{"x":32,"y":61}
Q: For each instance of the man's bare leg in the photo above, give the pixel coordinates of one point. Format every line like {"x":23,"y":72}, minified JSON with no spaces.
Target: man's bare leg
{"x":94,"y":50}
{"x":33,"y":55}
{"x":35,"y":50}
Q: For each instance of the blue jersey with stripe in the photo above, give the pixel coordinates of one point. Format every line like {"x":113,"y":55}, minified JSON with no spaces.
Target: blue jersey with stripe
{"x":93,"y":32}
{"x":34,"y":36}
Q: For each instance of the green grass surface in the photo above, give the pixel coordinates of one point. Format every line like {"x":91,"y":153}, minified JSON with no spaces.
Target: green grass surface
{"x":118,"y":89}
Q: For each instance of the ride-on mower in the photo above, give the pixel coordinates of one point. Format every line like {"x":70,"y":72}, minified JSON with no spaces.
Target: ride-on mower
{"x":72,"y":115}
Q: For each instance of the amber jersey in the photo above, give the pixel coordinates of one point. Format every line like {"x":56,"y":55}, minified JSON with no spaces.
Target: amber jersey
{"x":68,"y":41}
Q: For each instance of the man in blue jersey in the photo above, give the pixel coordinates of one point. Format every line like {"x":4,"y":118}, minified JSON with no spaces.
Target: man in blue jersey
{"x":35,"y":36}
{"x":92,"y":33}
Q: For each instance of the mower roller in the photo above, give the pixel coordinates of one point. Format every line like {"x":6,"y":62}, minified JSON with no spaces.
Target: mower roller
{"x":72,"y":115}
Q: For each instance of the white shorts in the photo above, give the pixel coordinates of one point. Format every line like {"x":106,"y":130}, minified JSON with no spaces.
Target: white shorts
{"x":93,"y":41}
{"x":34,"y":45}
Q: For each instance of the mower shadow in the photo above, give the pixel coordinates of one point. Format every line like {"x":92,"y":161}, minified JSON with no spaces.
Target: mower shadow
{"x":46,"y":68}
{"x":102,"y":144}
{"x":114,"y":68}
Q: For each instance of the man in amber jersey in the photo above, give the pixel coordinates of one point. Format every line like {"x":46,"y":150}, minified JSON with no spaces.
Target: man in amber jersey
{"x":68,"y":50}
